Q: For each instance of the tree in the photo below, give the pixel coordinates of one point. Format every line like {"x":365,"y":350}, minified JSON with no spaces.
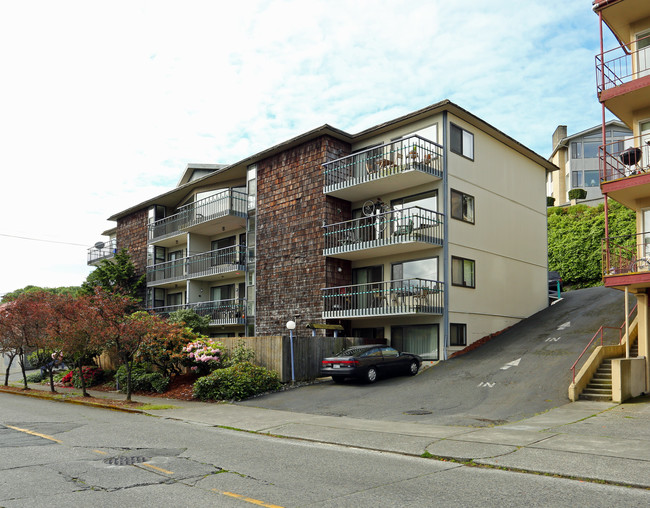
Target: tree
{"x":117,"y":275}
{"x":188,"y":317}
{"x":23,"y":324}
{"x":73,"y":330}
{"x":72,"y":290}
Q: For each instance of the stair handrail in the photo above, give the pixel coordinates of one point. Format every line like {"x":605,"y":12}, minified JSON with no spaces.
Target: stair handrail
{"x":600,"y":332}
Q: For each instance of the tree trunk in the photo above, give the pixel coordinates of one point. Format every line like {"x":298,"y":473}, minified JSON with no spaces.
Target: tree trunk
{"x":83,"y":381}
{"x":11,"y":360}
{"x":21,"y":362}
{"x":128,"y":380}
{"x":51,"y":374}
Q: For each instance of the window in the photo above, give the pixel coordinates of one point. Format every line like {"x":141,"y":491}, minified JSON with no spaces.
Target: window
{"x":462,"y":272}
{"x":457,"y":334}
{"x":462,"y":206}
{"x":461,"y":141}
{"x":576,"y":150}
{"x":576,"y":179}
{"x":419,"y":339}
{"x":421,"y":268}
{"x":591,"y":179}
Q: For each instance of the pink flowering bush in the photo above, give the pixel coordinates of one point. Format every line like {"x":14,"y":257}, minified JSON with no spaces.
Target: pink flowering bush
{"x":203,"y":355}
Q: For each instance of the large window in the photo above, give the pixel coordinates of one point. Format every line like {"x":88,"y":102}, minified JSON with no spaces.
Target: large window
{"x":419,"y":339}
{"x":420,"y":268}
{"x":461,"y":141}
{"x":462,"y":272}
{"x":457,"y":334}
{"x":462,"y":206}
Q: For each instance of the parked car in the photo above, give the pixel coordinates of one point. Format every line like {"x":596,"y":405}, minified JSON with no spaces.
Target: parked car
{"x":370,"y":362}
{"x":553,"y":278}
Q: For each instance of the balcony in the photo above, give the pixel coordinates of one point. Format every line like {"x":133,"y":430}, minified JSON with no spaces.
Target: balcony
{"x":229,"y":207}
{"x":622,"y":74}
{"x":389,"y":298}
{"x":221,"y":312}
{"x":625,"y":169}
{"x":229,"y":261}
{"x":392,"y":232}
{"x":626,"y":261}
{"x":391,"y":167}
{"x":101,"y":251}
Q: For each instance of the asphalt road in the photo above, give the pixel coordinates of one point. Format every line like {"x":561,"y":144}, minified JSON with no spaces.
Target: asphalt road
{"x":520,"y":373}
{"x":60,"y":455}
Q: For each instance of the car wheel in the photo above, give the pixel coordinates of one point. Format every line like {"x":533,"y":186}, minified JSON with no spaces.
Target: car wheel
{"x":413,"y":368}
{"x":371,"y":375}
{"x":338,"y":379}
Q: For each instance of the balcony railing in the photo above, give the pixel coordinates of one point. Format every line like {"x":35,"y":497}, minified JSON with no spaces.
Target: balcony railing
{"x":623,"y":64}
{"x":102,"y":250}
{"x":221,"y":312}
{"x":622,"y":159}
{"x":412,"y":153}
{"x":227,"y":202}
{"x":388,"y":298}
{"x":228,"y":259}
{"x":412,"y":224}
{"x":626,"y":254}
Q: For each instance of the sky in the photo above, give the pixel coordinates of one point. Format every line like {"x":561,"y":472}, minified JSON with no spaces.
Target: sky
{"x":103,"y":104}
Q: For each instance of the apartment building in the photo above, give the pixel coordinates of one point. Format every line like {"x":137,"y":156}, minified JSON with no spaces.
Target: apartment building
{"x":577,"y":157}
{"x":427,"y":232}
{"x":623,"y":85}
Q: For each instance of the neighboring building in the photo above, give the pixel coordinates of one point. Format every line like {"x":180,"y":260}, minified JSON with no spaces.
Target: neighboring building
{"x":623,"y":84}
{"x":577,"y":158}
{"x":454,"y":251}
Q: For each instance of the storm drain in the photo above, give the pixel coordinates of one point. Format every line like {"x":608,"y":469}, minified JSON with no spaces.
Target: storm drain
{"x":124,"y":461}
{"x":417,"y":412}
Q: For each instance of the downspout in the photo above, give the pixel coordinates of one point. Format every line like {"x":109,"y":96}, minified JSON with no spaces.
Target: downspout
{"x":445,"y":248}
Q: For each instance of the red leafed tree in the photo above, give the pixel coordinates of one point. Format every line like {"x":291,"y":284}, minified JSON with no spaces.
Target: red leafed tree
{"x":124,"y":331}
{"x":23,"y":326}
{"x":73,"y":330}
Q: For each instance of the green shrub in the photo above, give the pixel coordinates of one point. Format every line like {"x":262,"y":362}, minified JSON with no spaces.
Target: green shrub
{"x":577,"y":194}
{"x":237,"y":382}
{"x":35,"y":377}
{"x":142,"y":380}
{"x":550,"y":201}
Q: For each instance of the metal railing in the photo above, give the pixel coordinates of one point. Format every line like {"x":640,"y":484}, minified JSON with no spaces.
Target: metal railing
{"x":405,"y":296}
{"x":102,"y":250}
{"x":388,"y":228}
{"x":227,"y":259}
{"x":221,"y":312}
{"x":412,"y":153}
{"x":224,"y":203}
{"x":622,"y":64}
{"x":622,"y":159}
{"x":626,"y":254}
{"x":600,"y":334}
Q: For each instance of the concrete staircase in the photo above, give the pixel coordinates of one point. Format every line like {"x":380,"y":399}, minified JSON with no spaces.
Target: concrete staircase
{"x":600,"y":386}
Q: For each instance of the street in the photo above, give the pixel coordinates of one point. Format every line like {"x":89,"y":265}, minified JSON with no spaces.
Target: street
{"x":55,"y":454}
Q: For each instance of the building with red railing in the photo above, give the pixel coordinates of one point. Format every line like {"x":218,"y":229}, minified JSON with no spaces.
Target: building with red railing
{"x":427,"y":232}
{"x":623,"y":86}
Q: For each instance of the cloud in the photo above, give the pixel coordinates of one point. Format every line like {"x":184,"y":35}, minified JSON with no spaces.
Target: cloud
{"x":104,"y":104}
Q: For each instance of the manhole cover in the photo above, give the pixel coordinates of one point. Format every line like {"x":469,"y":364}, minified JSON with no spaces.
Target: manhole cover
{"x":416,"y":412}
{"x":124,"y":461}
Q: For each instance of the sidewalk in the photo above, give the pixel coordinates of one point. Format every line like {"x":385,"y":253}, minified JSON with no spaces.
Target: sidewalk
{"x":587,"y":440}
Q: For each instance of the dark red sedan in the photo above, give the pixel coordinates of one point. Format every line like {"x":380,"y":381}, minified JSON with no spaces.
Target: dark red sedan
{"x":370,"y":362}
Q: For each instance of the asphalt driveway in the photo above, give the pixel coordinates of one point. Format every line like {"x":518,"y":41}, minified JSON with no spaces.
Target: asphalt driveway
{"x":520,"y":373}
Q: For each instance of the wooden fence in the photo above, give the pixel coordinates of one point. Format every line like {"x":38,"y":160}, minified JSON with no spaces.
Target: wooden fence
{"x":274,"y":353}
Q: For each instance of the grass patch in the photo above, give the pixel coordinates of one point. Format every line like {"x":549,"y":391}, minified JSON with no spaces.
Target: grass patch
{"x":154,"y":407}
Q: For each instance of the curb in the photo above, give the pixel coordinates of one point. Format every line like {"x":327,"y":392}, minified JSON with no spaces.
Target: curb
{"x":35,"y":394}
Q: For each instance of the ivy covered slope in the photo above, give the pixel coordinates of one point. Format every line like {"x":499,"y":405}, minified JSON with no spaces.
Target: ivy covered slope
{"x":575,"y":236}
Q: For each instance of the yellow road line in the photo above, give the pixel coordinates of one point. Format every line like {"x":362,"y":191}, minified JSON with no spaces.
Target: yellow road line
{"x":44,"y":436}
{"x":247,"y":499}
{"x":99,"y":451}
{"x":158,"y":468}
